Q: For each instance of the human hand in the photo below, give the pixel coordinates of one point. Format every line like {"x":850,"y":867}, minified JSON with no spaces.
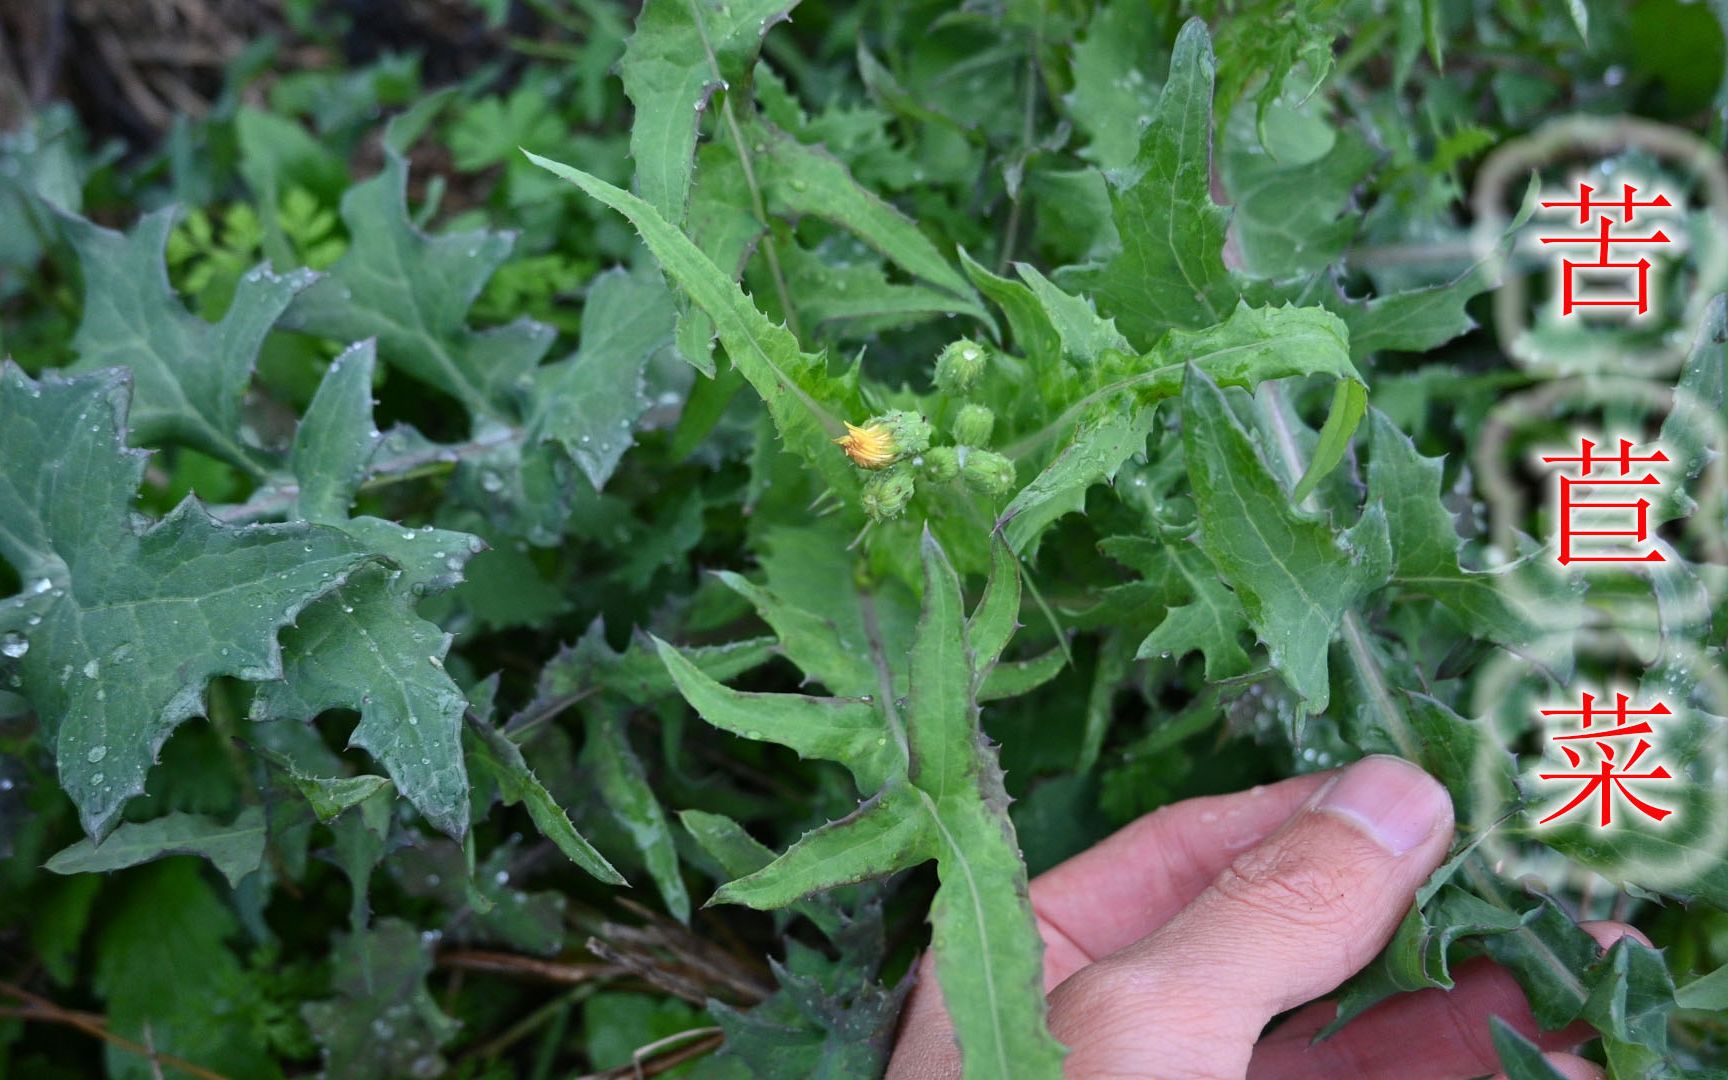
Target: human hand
{"x":1170,"y":945}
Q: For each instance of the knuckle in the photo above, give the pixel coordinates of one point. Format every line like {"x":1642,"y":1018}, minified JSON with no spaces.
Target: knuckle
{"x":1288,"y":886}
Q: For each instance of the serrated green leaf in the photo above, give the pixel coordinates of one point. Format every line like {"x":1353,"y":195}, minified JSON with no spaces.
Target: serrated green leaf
{"x":1085,"y":336}
{"x":188,"y":376}
{"x":805,"y":402}
{"x":1519,"y":1057}
{"x":997,"y":615}
{"x":1211,"y":621}
{"x":943,"y":799}
{"x":518,"y":784}
{"x":235,"y":848}
{"x":1170,"y":272}
{"x":412,"y":292}
{"x":1027,"y":318}
{"x":1013,"y":678}
{"x":138,"y":622}
{"x":169,"y":979}
{"x":363,"y":647}
{"x":800,"y":180}
{"x":1098,"y":448}
{"x":682,"y":53}
{"x":589,"y":403}
{"x":832,"y":729}
{"x":623,"y":786}
{"x":1250,"y":347}
{"x":1296,"y":577}
{"x":889,"y":831}
{"x":1425,"y":540}
{"x":989,"y":960}
{"x":383,"y":1022}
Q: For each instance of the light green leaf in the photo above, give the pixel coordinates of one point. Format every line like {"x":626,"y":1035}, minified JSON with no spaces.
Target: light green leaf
{"x":888,"y":832}
{"x":412,"y":292}
{"x":993,"y":622}
{"x":1097,"y":449}
{"x":805,"y":402}
{"x":682,"y":53}
{"x":1250,"y":347}
{"x":802,"y":181}
{"x":1026,"y":316}
{"x":1084,"y":335}
{"x":1349,"y":403}
{"x":1295,"y":576}
{"x":235,"y":848}
{"x":138,"y":622}
{"x":832,"y":729}
{"x":1015,"y":677}
{"x":188,"y":376}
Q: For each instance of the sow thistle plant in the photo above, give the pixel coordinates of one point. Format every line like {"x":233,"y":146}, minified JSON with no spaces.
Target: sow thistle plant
{"x":422,"y":654}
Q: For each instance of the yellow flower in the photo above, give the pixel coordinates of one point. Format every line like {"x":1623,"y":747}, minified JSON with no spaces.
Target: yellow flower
{"x":869,"y":447}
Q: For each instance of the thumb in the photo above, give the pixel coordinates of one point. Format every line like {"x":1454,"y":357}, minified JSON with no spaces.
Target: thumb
{"x":1286,"y":922}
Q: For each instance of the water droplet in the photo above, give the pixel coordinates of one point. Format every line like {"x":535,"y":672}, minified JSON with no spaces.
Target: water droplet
{"x":43,"y":586}
{"x":97,"y":753}
{"x":91,"y":668}
{"x":98,"y":778}
{"x":13,"y":645}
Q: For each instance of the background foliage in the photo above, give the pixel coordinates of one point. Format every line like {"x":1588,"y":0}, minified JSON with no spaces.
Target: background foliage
{"x":439,"y":635}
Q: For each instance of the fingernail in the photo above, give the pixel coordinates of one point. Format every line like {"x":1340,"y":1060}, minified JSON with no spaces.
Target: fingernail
{"x":1392,"y":800}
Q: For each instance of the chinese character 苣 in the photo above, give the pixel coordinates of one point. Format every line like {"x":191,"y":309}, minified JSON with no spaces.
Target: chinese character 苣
{"x":1580,"y":543}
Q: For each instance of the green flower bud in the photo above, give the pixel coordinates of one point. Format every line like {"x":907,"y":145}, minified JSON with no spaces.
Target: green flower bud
{"x":941,"y":463}
{"x":972,"y":427}
{"x":988,"y":473}
{"x":887,"y":493}
{"x":959,"y":366}
{"x":909,"y":431}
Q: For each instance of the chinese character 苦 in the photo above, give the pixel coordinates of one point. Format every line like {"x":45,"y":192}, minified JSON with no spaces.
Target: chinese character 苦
{"x":1638,"y":271}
